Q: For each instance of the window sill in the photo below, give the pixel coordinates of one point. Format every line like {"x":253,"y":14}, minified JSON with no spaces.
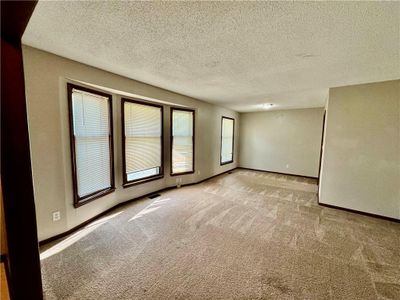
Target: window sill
{"x":182,"y":173}
{"x":128,"y":184}
{"x":225,"y":163}
{"x":94,"y":196}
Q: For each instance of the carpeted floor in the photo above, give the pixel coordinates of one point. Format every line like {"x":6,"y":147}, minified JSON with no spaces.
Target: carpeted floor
{"x":246,"y":235}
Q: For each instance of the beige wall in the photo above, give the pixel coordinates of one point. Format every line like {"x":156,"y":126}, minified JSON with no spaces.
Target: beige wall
{"x":46,"y":76}
{"x":286,"y":141}
{"x":361,"y":157}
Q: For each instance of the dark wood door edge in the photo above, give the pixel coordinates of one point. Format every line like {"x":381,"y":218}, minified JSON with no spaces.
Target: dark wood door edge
{"x":24,"y":280}
{"x":322,"y":147}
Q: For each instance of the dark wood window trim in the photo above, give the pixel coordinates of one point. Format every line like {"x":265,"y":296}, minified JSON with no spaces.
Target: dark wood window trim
{"x":193,"y":140}
{"x":79,"y":201}
{"x":233,"y":143}
{"x":130,"y":183}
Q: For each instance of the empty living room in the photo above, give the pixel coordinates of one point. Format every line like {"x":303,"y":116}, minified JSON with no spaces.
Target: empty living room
{"x":200,"y":150}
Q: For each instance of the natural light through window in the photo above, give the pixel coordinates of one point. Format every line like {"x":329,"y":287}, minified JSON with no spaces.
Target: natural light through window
{"x":91,"y":139}
{"x":227,"y":136}
{"x":182,"y":141}
{"x":142,"y":141}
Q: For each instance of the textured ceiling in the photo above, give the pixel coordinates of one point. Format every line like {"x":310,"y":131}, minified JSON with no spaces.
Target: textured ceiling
{"x":235,"y":54}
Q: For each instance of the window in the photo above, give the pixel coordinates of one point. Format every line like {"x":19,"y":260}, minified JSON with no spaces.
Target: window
{"x":142,"y":132}
{"x":91,"y":143}
{"x":182,"y":141}
{"x":227,"y":138}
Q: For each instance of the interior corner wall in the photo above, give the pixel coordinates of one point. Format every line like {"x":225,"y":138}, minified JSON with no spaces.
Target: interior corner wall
{"x":46,"y":76}
{"x":361,"y":157}
{"x":284,"y":141}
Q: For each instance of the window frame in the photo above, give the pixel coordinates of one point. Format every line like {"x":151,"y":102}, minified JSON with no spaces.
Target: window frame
{"x":128,"y":183}
{"x":233,"y":142}
{"x":79,"y":201}
{"x":193,"y":140}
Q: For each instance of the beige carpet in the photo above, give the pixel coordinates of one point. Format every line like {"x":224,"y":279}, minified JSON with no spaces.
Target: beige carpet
{"x":246,"y":235}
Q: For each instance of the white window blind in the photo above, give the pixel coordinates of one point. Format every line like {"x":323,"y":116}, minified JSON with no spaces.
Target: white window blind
{"x":227,"y":140}
{"x":143,"y":140}
{"x":91,"y":129}
{"x":182,"y":141}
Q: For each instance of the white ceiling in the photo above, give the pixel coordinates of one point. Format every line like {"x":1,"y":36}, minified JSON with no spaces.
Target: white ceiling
{"x":235,"y":54}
